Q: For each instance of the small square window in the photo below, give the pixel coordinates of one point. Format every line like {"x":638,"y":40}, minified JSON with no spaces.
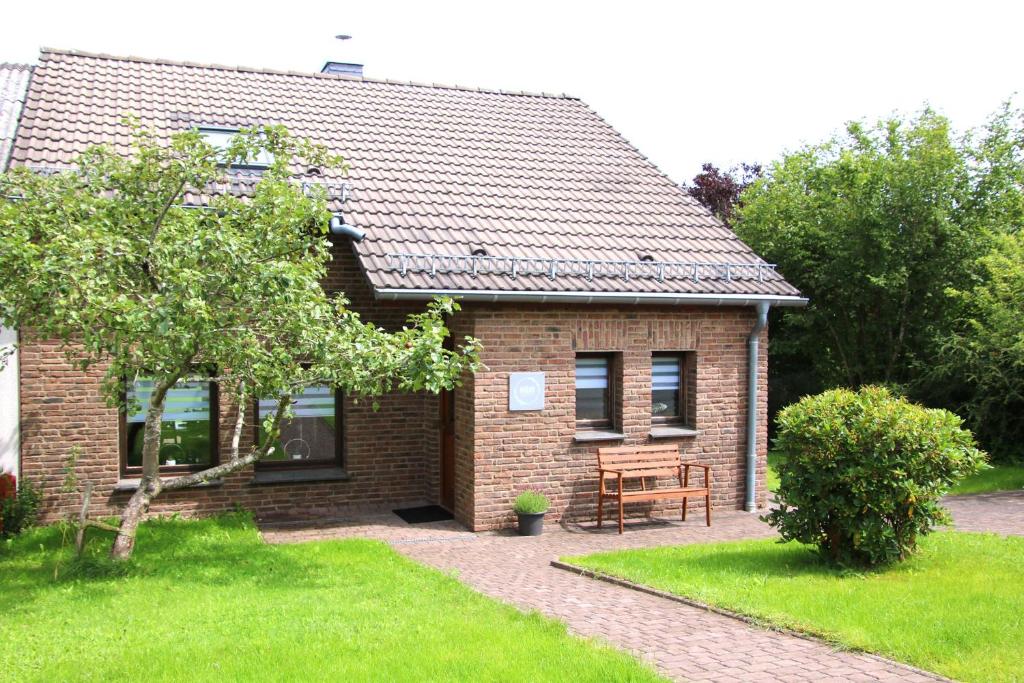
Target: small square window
{"x":312,"y":436}
{"x":188,"y":429}
{"x":595,"y":391}
{"x":671,"y":380}
{"x":220,"y":138}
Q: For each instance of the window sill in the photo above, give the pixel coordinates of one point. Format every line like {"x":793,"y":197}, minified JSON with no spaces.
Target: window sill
{"x":672,"y":432}
{"x":132,"y":485}
{"x":597,"y":435}
{"x":300,"y":475}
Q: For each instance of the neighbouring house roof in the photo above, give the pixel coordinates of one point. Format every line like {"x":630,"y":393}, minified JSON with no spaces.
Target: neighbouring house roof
{"x":560,"y":202}
{"x":14,"y":80}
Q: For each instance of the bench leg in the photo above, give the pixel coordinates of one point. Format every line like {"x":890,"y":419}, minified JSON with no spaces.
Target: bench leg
{"x":600,"y":509}
{"x":707,"y":508}
{"x":684,"y":508}
{"x":621,"y":513}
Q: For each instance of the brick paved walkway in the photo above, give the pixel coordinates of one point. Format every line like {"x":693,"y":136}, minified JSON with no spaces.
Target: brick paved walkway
{"x":1001,"y":513}
{"x":683,"y":642}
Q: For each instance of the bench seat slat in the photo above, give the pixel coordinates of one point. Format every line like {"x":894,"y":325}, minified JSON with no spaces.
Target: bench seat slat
{"x":658,"y":494}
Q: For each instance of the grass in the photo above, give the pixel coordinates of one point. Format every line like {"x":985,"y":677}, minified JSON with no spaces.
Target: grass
{"x":998,"y":478}
{"x":956,"y":608}
{"x":773,"y":471}
{"x":207,"y":600}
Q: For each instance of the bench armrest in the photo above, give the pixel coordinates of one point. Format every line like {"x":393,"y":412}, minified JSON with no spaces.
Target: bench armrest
{"x":608,"y":469}
{"x":695,"y":464}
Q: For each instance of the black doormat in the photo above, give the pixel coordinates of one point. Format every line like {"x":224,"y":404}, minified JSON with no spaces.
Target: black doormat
{"x":424,"y":514}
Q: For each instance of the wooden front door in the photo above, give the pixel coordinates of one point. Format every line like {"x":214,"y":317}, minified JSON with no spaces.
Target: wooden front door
{"x":448,"y":449}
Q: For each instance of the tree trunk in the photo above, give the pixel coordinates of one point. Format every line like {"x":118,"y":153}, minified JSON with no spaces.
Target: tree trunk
{"x":149,"y":486}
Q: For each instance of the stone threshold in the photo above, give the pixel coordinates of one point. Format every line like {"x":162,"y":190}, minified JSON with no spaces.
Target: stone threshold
{"x":752,"y":621}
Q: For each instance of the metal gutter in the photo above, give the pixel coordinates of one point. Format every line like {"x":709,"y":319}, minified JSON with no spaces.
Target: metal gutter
{"x":542,"y":296}
{"x":753,"y":342}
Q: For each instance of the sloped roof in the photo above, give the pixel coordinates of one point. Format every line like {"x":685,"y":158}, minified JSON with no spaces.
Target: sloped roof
{"x":13,"y":84}
{"x":435,"y":171}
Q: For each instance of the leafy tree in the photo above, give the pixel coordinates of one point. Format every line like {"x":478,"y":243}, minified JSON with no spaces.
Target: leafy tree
{"x":983,"y":351}
{"x":873,"y":226}
{"x":111,"y":262}
{"x":862,"y":473}
{"x":719,"y":190}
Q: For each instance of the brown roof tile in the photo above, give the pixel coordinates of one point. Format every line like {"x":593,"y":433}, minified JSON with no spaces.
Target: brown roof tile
{"x":434,"y":169}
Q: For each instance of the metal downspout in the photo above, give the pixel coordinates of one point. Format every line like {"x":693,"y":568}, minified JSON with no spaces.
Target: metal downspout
{"x":753,"y":341}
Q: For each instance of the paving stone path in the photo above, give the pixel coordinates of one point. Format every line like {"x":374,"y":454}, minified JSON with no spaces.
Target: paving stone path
{"x":681,"y":641}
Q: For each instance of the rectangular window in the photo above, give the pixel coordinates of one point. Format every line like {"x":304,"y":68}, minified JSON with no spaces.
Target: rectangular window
{"x":221,"y":137}
{"x":312,"y":436}
{"x":594,"y":391}
{"x":188,"y":429}
{"x":669,"y":391}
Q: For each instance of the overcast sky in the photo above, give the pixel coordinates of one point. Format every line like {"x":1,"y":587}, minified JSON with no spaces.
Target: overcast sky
{"x":685,"y":82}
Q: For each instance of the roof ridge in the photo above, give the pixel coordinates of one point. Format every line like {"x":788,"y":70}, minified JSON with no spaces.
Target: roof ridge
{"x":305,"y":74}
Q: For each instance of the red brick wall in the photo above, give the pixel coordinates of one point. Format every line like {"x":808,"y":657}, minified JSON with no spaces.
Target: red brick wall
{"x":513,"y":451}
{"x":391,"y":454}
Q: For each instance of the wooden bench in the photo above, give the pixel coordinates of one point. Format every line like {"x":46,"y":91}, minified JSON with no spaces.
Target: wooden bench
{"x":630,"y":464}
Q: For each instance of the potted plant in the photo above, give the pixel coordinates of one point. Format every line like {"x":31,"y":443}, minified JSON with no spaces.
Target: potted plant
{"x":530,"y":507}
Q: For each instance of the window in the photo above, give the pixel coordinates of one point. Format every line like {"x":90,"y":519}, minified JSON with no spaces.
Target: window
{"x":188,"y":430}
{"x":594,"y":391}
{"x":311,"y":437}
{"x":670,"y":379}
{"x":221,"y":137}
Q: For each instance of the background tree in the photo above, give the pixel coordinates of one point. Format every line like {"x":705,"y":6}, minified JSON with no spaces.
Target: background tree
{"x":868,"y":225}
{"x":982,"y":352}
{"x":719,"y":190}
{"x":111,"y":262}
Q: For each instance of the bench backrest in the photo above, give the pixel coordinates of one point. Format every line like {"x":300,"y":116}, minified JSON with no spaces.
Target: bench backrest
{"x":640,"y":461}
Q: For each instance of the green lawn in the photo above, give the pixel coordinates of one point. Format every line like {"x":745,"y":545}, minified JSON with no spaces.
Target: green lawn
{"x":773,"y":471}
{"x":957,"y":608}
{"x":208,"y":600}
{"x":999,"y":478}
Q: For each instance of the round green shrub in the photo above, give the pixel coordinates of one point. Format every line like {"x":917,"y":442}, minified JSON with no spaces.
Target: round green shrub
{"x":530,"y":503}
{"x":862,"y":473}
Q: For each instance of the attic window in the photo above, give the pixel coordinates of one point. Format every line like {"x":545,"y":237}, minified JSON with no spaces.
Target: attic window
{"x":220,"y":138}
{"x":479,"y":251}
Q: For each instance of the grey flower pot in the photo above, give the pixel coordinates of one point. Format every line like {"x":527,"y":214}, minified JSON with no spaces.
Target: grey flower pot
{"x":531,"y":524}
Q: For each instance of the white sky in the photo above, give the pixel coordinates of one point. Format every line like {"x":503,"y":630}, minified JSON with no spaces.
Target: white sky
{"x":685,"y":82}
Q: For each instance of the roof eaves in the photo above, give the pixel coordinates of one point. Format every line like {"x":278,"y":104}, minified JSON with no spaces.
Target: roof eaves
{"x":580,"y":297}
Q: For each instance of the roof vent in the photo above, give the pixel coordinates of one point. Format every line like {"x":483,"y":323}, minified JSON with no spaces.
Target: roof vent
{"x":343,"y":69}
{"x":479,"y":251}
{"x":646,"y":257}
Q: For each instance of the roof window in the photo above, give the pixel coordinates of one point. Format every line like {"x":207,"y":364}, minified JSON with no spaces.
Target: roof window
{"x":220,"y":138}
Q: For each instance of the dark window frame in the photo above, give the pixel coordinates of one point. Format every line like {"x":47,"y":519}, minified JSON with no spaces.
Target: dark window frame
{"x":682,"y":418}
{"x":604,"y":423}
{"x":127,"y":470}
{"x":339,"y":441}
{"x":251,"y":165}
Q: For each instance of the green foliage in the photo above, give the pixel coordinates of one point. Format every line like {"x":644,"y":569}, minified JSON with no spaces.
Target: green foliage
{"x":20,"y":512}
{"x":983,"y":350}
{"x":531,"y":503}
{"x":862,"y":472}
{"x":867,"y":225}
{"x":954,"y":608}
{"x":222,"y":605}
{"x":112,"y":261}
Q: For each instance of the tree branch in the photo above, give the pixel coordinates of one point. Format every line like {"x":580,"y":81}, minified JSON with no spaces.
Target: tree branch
{"x":235,"y":464}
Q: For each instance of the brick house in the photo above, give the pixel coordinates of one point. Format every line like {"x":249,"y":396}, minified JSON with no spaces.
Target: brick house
{"x":613,"y":309}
